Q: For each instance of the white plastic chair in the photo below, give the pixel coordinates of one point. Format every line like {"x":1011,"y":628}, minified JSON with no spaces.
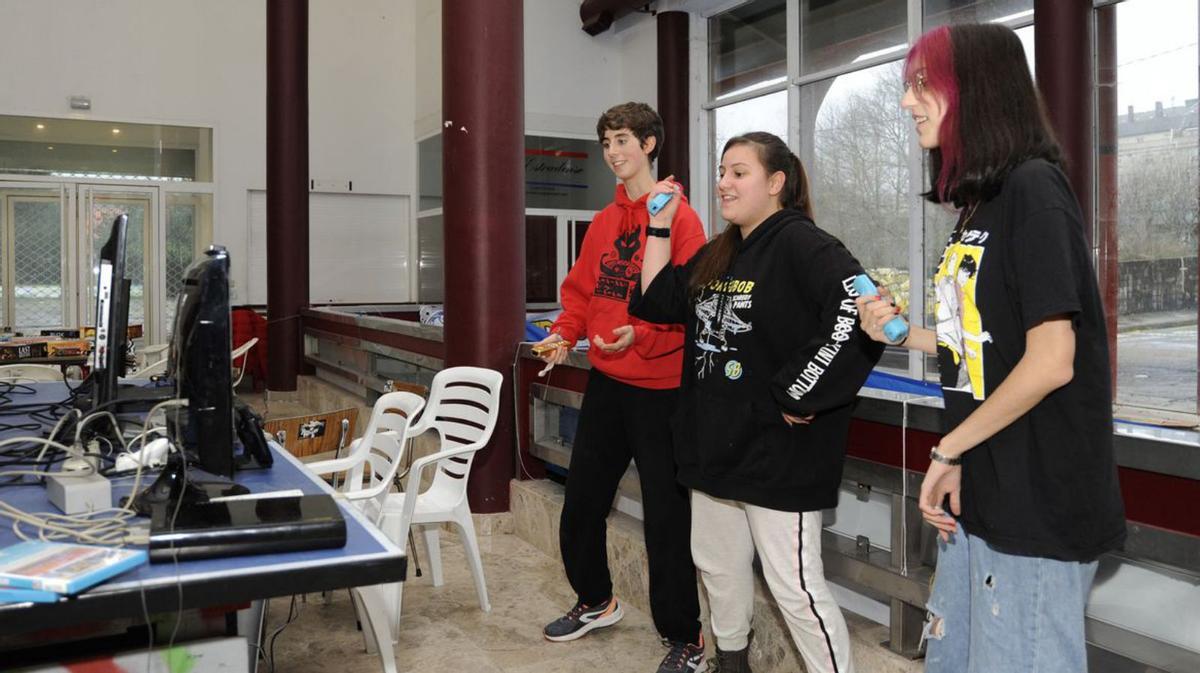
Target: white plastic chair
{"x":153,"y":369}
{"x":376,"y":455}
{"x":29,"y":373}
{"x":463,"y":406}
{"x":240,"y":352}
{"x":159,"y":367}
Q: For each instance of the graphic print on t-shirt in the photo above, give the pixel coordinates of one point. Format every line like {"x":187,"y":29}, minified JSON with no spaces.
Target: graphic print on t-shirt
{"x":620,"y":267}
{"x":717,"y":320}
{"x":959,"y":325}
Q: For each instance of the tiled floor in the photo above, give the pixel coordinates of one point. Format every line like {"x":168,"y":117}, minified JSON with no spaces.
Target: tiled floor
{"x":443,"y":628}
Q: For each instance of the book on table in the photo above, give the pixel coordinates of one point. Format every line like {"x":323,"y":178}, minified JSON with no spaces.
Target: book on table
{"x":11,"y":595}
{"x":63,"y":568}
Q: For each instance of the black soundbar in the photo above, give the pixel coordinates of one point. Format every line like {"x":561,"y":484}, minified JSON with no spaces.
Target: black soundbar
{"x":243,"y":527}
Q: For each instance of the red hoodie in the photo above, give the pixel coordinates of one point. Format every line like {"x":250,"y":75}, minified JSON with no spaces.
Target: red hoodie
{"x":596,"y":293}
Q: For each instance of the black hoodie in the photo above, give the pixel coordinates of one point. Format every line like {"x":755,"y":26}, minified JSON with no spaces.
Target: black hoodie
{"x":779,"y":332}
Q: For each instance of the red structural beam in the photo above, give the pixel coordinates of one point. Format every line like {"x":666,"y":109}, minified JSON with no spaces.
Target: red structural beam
{"x":287,"y":188}
{"x":483,"y":154}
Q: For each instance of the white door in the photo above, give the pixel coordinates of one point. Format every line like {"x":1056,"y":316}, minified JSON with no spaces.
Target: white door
{"x":35,"y":284}
{"x":98,"y":206}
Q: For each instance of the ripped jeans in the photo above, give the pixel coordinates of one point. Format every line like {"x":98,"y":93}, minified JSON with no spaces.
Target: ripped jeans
{"x":999,"y":613}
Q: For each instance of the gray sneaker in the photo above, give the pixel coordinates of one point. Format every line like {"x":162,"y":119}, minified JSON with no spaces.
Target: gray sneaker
{"x":582,"y":618}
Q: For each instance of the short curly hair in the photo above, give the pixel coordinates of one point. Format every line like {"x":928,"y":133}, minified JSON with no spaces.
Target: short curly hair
{"x":637,"y":117}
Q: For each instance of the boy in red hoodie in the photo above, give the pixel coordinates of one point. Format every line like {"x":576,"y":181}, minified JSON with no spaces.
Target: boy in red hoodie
{"x":631,"y":394}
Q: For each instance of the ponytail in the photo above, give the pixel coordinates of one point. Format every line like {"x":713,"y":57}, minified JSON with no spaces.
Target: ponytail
{"x":795,"y":190}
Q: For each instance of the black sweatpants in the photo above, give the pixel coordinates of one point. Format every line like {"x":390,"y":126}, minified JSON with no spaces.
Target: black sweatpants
{"x":618,"y":422}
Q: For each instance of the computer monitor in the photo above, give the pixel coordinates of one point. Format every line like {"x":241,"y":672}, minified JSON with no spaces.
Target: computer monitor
{"x":199,"y":361}
{"x":112,"y":316}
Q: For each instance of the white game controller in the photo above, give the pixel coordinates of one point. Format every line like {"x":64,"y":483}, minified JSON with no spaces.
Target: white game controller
{"x":152,"y":454}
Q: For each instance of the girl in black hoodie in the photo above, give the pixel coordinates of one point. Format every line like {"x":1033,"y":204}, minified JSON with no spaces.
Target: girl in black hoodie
{"x":772,"y":366}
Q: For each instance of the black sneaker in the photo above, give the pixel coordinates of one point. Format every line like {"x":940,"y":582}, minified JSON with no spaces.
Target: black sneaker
{"x":582,"y":618}
{"x":683,"y":657}
{"x":736,"y":661}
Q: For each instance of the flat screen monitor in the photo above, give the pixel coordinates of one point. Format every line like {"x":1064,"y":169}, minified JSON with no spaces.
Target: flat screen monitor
{"x":112,"y":315}
{"x":199,"y":361}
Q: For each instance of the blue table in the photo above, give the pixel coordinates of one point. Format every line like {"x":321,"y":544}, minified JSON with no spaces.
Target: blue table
{"x":368,"y":557}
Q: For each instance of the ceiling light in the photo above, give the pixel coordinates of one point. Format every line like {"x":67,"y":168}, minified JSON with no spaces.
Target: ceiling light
{"x":41,"y":126}
{"x":116,"y":131}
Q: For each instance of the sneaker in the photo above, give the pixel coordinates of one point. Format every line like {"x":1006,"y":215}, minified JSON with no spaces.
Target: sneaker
{"x":582,"y":618}
{"x":736,"y":661}
{"x":683,"y":657}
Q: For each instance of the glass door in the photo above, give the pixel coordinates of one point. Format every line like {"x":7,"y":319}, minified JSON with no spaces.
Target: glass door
{"x":553,"y":240}
{"x":34,"y":279}
{"x":98,"y":207}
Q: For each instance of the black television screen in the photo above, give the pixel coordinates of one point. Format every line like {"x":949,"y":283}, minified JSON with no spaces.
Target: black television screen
{"x":112,"y":315}
{"x":200,"y":364}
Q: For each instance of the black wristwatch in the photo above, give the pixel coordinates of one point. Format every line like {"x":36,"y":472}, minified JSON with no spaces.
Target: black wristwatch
{"x":661,"y":232}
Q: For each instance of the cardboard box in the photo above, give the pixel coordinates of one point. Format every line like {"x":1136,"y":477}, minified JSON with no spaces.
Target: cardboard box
{"x":22,"y":348}
{"x":131,"y":332}
{"x":66,"y":349}
{"x":61,"y":333}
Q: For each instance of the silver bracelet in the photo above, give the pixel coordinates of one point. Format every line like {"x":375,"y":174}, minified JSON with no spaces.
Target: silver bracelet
{"x":944,"y":460}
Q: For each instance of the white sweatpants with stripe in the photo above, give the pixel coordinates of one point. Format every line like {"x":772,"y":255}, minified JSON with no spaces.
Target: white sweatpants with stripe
{"x":725,"y":535}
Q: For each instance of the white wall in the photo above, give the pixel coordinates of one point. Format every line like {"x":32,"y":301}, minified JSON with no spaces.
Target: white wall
{"x":572,"y":77}
{"x":204,"y":64}
{"x":374,"y":81}
{"x":195,"y":64}
{"x":427,"y":57}
{"x":360,"y":105}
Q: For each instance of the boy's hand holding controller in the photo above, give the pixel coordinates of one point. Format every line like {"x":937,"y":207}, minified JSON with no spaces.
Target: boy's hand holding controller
{"x":552,"y":350}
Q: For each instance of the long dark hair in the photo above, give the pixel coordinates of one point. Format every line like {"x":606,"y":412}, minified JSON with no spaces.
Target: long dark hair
{"x":994,"y":118}
{"x":775,"y":156}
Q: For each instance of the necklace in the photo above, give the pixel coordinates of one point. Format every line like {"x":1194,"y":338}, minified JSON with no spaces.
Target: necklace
{"x":962,"y":223}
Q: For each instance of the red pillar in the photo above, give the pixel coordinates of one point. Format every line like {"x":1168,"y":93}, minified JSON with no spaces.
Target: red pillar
{"x":483,"y":94}
{"x":1107,"y":214}
{"x":287,"y":187}
{"x":674,"y":158}
{"x":1062,"y":47}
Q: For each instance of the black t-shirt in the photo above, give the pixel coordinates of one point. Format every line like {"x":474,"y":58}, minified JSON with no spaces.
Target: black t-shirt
{"x":1046,"y":485}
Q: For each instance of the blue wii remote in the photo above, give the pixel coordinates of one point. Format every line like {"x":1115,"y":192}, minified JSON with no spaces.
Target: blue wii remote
{"x":656,"y":203}
{"x":897,"y":328}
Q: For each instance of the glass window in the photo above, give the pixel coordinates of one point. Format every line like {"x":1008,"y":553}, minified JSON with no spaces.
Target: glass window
{"x":566,"y":174}
{"x":1147,"y":206}
{"x":857,"y":138}
{"x":36,"y":239}
{"x":764,"y":113}
{"x":105,"y":209}
{"x":835,"y":33}
{"x":429,"y":172}
{"x":189,"y":232}
{"x":96,"y":149}
{"x":430,"y":267}
{"x":747,"y":47}
{"x":942,"y":12}
{"x":541,"y":259}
